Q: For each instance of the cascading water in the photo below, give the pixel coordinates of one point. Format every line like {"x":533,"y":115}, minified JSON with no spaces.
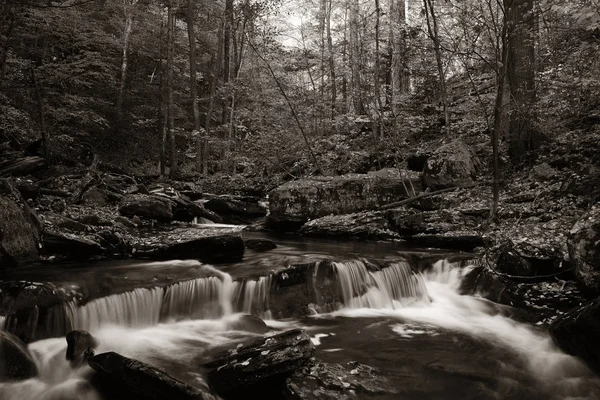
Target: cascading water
{"x":362,"y":288}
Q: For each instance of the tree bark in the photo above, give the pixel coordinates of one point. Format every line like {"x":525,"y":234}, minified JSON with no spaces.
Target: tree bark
{"x":173,"y":172}
{"x":432,"y":29}
{"x":227,"y":33}
{"x":332,"y":77}
{"x":42,"y":119}
{"x":160,"y":131}
{"x":128,"y":10}
{"x":193,"y":83}
{"x":355,"y":59}
{"x":521,"y":77}
{"x":376,"y":83}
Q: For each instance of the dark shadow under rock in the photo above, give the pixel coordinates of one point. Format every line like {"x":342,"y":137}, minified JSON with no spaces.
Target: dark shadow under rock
{"x":132,"y":379}
{"x":16,"y":362}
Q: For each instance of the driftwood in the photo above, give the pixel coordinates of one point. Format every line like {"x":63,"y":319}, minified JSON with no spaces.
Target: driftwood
{"x":22,"y":165}
{"x":423,"y":196}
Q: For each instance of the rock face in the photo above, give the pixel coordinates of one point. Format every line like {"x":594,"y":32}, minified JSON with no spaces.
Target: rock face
{"x":70,"y":245}
{"x":18,"y":238}
{"x":199,"y":244}
{"x":584,"y":251}
{"x":264,"y":360}
{"x":237,"y":210}
{"x":323,"y":381}
{"x":452,"y":164}
{"x":302,"y":200}
{"x":259,"y":244}
{"x":366,"y":225}
{"x":80,"y":347}
{"x":141,"y":379}
{"x":577,"y":333}
{"x":297,"y":287}
{"x":15,"y":361}
{"x":147,"y":206}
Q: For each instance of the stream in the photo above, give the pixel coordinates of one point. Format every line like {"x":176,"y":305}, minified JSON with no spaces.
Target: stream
{"x":408,"y":320}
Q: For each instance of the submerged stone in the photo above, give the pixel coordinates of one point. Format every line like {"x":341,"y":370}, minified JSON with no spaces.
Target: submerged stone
{"x":80,"y":347}
{"x":263,"y":361}
{"x":136,"y":378}
{"x":16,"y":362}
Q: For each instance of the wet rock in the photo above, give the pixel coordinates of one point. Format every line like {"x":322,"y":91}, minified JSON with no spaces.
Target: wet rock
{"x":18,"y":238}
{"x":148,"y":206}
{"x":80,"y":347}
{"x":455,"y":240}
{"x":324,"y":381}
{"x":140,"y":379}
{"x":237,"y":209}
{"x":186,"y":210}
{"x":365,"y":225}
{"x":484,"y":282}
{"x":71,"y":246}
{"x":15,"y":361}
{"x":297,"y":290}
{"x":584,"y":250}
{"x":577,"y":333}
{"x":190,"y":243}
{"x":95,"y":220}
{"x":248,"y":323}
{"x":261,"y":362}
{"x":452,"y":164}
{"x":59,"y":222}
{"x":259,"y":244}
{"x":299,"y":201}
{"x":26,"y":304}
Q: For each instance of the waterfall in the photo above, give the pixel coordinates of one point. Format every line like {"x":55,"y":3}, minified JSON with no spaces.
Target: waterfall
{"x":253,"y":296}
{"x":362,"y":288}
{"x":139,"y":307}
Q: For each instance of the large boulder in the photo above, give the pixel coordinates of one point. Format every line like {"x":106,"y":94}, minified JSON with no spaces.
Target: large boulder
{"x":71,"y":246}
{"x":299,"y":201}
{"x":18,"y":238}
{"x":265,"y":360}
{"x":577,"y":333}
{"x":584,"y":249}
{"x":450,"y":165}
{"x":148,"y":206}
{"x":80,"y":347}
{"x":237,"y":209}
{"x":206,"y":245}
{"x":364,"y":225}
{"x":15,"y":361}
{"x":142,"y":380}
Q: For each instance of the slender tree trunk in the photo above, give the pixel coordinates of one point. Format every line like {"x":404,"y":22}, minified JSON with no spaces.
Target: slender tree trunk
{"x":128,"y":10}
{"x":521,"y":77}
{"x":355,"y":59}
{"x":160,"y":131}
{"x":344,"y":63}
{"x":227,"y":33}
{"x":42,"y":119}
{"x":499,"y":119}
{"x":376,"y":83}
{"x":173,"y":172}
{"x":194,"y":83}
{"x":291,"y":106}
{"x":332,"y":77}
{"x":400,"y":71}
{"x":432,"y":28}
{"x":9,"y":30}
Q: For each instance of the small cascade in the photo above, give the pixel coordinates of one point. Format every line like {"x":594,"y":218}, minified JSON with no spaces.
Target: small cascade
{"x":362,"y":288}
{"x":253,"y":296}
{"x":139,"y":307}
{"x":446,"y":272}
{"x":2,"y":322}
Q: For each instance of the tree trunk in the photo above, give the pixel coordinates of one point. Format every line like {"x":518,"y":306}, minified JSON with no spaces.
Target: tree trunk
{"x":170,"y":107}
{"x":160,"y":131}
{"x":432,"y":29}
{"x":376,"y":82}
{"x":227,"y":32}
{"x":42,"y":120}
{"x":521,"y":77}
{"x":344,"y":61}
{"x":331,"y":60}
{"x":128,"y":10}
{"x":400,"y":79}
{"x":193,"y":82}
{"x":355,"y":59}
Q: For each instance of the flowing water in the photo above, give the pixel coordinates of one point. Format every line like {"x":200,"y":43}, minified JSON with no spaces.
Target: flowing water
{"x":407,"y":320}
